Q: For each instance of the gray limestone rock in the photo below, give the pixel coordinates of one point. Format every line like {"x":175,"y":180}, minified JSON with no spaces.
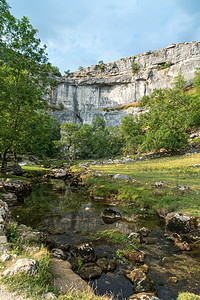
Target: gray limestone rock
{"x":180,"y":223}
{"x":15,"y":169}
{"x":9,"y":198}
{"x":91,"y":92}
{"x":24,"y":265}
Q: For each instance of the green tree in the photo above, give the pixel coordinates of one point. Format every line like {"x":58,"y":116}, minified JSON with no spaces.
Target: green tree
{"x":45,"y":131}
{"x":24,"y":80}
{"x":69,"y":139}
{"x":168,"y":118}
{"x":132,"y":133}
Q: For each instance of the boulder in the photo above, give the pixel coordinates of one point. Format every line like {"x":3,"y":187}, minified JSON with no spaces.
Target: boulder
{"x":143,"y":296}
{"x":65,"y":278}
{"x":5,"y":257}
{"x":34,"y":160}
{"x":141,"y":283}
{"x":110,"y":215}
{"x":84,"y":252}
{"x":59,"y":174}
{"x":19,"y":188}
{"x":183,"y":246}
{"x":106,"y":264}
{"x":144,"y":231}
{"x":24,"y":265}
{"x":57,"y":253}
{"x":49,"y":295}
{"x":15,"y":169}
{"x":65,"y":247}
{"x":134,"y":255}
{"x":10,"y":199}
{"x":27,"y":234}
{"x":90,"y":271}
{"x":180,"y":223}
{"x":120,"y":176}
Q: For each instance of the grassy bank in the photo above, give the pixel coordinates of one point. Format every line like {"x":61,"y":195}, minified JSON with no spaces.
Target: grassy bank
{"x":173,"y":171}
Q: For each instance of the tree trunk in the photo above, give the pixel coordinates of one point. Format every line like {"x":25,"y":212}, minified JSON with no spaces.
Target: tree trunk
{"x":15,"y":156}
{"x":4,"y":162}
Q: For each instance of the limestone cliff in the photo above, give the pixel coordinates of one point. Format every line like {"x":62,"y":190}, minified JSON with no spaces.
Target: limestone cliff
{"x":112,"y":90}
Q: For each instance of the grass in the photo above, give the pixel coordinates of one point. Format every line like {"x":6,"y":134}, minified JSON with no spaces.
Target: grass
{"x":114,"y":236}
{"x":32,"y":286}
{"x":175,"y":171}
{"x":188,"y":296}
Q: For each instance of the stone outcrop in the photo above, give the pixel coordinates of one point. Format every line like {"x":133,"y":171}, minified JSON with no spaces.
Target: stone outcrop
{"x":113,"y":91}
{"x":23,"y":265}
{"x":66,"y":279}
{"x":180,"y":223}
{"x":141,"y":283}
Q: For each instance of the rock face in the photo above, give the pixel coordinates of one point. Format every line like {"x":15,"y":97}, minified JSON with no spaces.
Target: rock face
{"x":107,"y":92}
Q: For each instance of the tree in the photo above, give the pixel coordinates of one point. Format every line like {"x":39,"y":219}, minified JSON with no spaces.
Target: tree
{"x":132,"y":133}
{"x":45,"y":131}
{"x":89,"y":141}
{"x":168,"y":118}
{"x":24,"y":80}
{"x":69,"y":139}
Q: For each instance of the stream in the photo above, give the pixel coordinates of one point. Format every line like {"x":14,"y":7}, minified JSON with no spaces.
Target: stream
{"x":67,"y":215}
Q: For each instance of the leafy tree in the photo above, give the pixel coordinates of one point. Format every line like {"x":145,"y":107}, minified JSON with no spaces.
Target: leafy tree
{"x":131,"y":130}
{"x":89,"y":141}
{"x":168,"y":118}
{"x":69,"y":139}
{"x":45,"y":131}
{"x":24,"y":78}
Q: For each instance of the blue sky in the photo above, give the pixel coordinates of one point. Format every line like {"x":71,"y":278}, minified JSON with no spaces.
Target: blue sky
{"x":82,"y":32}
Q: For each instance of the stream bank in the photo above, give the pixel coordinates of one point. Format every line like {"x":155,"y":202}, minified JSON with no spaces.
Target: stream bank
{"x":71,"y":217}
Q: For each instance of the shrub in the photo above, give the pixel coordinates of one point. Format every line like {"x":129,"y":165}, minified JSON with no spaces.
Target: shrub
{"x":135,"y":68}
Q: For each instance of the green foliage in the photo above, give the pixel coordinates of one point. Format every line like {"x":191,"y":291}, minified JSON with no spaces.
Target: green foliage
{"x":135,"y":68}
{"x":67,"y":72}
{"x":187,"y":296}
{"x":132,"y":133}
{"x":32,"y":286}
{"x":163,"y":66}
{"x":101,"y":65}
{"x":69,"y":139}
{"x":61,"y":105}
{"x":24,"y":81}
{"x":196,"y":80}
{"x":80,"y":68}
{"x":45,"y":130}
{"x":55,"y":71}
{"x":165,"y":126}
{"x":88,"y":141}
{"x":11,"y":233}
{"x":113,"y":235}
{"x":80,"y":264}
{"x":120,"y":254}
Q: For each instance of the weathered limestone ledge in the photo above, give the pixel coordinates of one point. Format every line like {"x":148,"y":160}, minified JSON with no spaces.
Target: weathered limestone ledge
{"x":82,"y":95}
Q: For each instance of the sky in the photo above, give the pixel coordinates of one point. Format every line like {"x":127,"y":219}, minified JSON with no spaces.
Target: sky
{"x":83,"y":32}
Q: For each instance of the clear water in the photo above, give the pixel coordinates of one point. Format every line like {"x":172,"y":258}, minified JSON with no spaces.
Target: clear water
{"x":67,"y":215}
